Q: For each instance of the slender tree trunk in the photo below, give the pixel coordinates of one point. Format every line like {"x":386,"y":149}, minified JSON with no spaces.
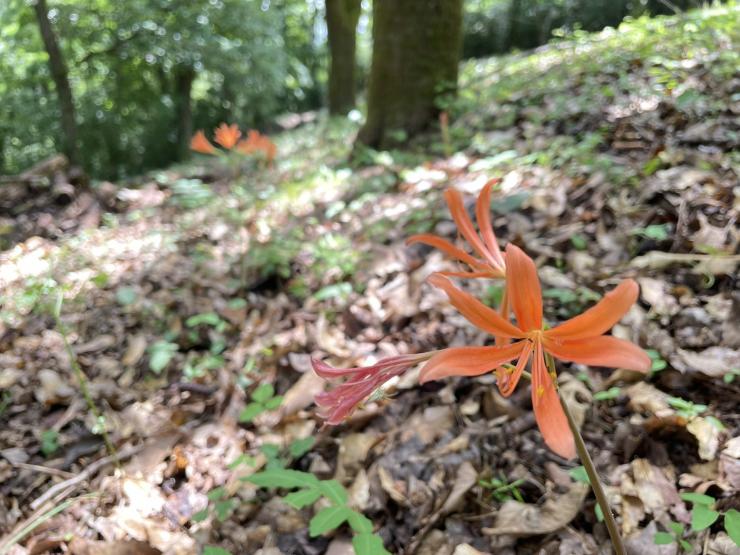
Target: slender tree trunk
{"x":184,"y":77}
{"x":60,"y":76}
{"x":341,"y":23}
{"x":416,"y":51}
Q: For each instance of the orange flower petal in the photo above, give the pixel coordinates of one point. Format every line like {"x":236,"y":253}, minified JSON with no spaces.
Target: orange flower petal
{"x":508,"y":382}
{"x":446,"y":247}
{"x":548,"y":412}
{"x":483,"y":216}
{"x":468,"y":361}
{"x":600,"y":317}
{"x":523,"y":287}
{"x":199,"y":143}
{"x":460,"y":215}
{"x":603,"y":350}
{"x":469,"y":275}
{"x":475,"y":311}
{"x":227,"y":135}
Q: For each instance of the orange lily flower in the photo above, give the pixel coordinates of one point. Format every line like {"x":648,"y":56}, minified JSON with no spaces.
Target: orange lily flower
{"x":257,"y":142}
{"x":227,"y":135}
{"x":580,"y":339}
{"x":199,"y":143}
{"x":491,"y":263}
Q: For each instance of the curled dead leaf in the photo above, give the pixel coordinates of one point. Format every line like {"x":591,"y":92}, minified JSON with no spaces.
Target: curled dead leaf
{"x":524,"y":519}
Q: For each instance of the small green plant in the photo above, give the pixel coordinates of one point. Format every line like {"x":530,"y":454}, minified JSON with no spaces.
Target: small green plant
{"x":704,"y":514}
{"x":658,"y":363}
{"x":685,"y":408}
{"x":310,"y":489}
{"x":579,"y":474}
{"x":207,"y":319}
{"x":731,"y":375}
{"x":5,"y":400}
{"x":579,"y":242}
{"x":199,"y":366}
{"x":49,"y":442}
{"x":263,"y":399}
{"x":278,"y":457}
{"x":220,"y":504}
{"x":675,"y":535}
{"x":501,"y":490}
{"x":215,"y":550}
{"x":608,"y":394}
{"x":656,"y":232}
{"x":160,"y":355}
{"x":126,"y":295}
{"x":191,"y":193}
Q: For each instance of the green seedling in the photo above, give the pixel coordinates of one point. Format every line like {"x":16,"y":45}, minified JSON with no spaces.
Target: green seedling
{"x":501,"y":490}
{"x":309,"y":489}
{"x":685,"y":408}
{"x":263,"y":399}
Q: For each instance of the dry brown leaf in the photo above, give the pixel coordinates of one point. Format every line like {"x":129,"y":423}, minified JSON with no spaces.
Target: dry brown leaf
{"x":707,"y":434}
{"x":713,"y":361}
{"x":136,"y":348}
{"x":467,"y":549}
{"x":645,"y":397}
{"x":524,"y":519}
{"x":465,"y":479}
{"x":301,"y":393}
{"x":655,"y":293}
{"x":396,"y":489}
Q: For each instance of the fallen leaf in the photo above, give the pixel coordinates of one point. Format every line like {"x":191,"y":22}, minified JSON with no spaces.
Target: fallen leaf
{"x":707,"y":434}
{"x":523,"y":519}
{"x":136,"y":348}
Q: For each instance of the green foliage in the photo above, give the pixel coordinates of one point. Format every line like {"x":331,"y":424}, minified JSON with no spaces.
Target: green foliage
{"x":685,"y":408}
{"x":126,"y":295}
{"x":497,"y":26}
{"x":247,"y":61}
{"x":49,"y":442}
{"x":206,"y":319}
{"x":263,"y":399}
{"x":732,"y":525}
{"x":658,"y":363}
{"x":703,"y":515}
{"x":608,"y":394}
{"x":191,"y":193}
{"x":657,"y":232}
{"x":309,"y":490}
{"x":160,"y":355}
{"x":501,"y":490}
{"x":676,"y":535}
{"x":215,"y":550}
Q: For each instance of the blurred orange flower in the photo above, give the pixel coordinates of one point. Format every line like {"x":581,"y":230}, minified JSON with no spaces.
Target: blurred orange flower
{"x":199,"y":143}
{"x":580,"y":339}
{"x":491,"y":263}
{"x":257,"y":142}
{"x":227,"y":135}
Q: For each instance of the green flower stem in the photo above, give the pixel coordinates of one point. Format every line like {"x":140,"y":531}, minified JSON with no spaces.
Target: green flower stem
{"x":596,"y":486}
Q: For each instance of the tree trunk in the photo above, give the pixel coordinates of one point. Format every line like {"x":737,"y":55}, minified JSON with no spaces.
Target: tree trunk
{"x":416,"y":51}
{"x":341,"y":23}
{"x":184,"y":77}
{"x":61,"y":80}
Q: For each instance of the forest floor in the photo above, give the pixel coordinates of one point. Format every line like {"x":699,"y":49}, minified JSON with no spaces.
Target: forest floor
{"x":186,"y":291}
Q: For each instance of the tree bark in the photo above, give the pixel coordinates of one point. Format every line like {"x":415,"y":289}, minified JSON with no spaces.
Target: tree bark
{"x":184,"y":77}
{"x":416,"y":51}
{"x":60,"y":75}
{"x":341,"y":23}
